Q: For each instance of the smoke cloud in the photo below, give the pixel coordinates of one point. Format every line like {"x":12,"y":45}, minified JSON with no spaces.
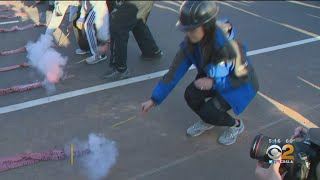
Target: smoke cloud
{"x":46,"y":60}
{"x":96,"y":156}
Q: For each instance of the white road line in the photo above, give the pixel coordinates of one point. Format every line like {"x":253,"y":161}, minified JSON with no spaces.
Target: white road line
{"x":172,"y":3}
{"x":106,"y":86}
{"x":311,"y":84}
{"x":304,"y":4}
{"x":283,"y":46}
{"x":243,"y":4}
{"x":270,"y":20}
{"x":249,"y":2}
{"x":9,"y":22}
{"x":313,"y":16}
{"x":168,"y":8}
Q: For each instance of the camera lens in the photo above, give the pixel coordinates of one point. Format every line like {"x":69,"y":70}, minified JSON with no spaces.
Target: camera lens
{"x":259,"y":148}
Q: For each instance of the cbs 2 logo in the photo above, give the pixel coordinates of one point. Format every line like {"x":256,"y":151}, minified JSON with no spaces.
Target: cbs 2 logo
{"x":275,"y":151}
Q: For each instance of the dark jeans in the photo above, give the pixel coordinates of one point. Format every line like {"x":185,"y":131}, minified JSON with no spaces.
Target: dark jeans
{"x":212,"y":111}
{"x":130,"y":16}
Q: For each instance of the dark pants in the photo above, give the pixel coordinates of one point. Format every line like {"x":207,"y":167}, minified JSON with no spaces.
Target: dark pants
{"x":80,"y":34}
{"x":212,"y":111}
{"x":130,"y":16}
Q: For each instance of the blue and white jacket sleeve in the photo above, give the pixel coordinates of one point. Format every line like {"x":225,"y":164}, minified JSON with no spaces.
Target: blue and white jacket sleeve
{"x":178,"y":68}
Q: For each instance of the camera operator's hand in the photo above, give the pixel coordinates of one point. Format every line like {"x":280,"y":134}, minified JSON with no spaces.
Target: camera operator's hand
{"x":299,"y":130}
{"x":271,"y":173}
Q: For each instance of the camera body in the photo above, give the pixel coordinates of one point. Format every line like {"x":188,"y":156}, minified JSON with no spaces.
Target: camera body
{"x":300,"y":156}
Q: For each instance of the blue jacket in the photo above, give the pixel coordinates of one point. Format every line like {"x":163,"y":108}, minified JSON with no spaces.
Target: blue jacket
{"x":234,"y":79}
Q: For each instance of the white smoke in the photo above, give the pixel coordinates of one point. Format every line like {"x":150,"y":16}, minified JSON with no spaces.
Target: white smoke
{"x":100,"y":157}
{"x":46,"y":59}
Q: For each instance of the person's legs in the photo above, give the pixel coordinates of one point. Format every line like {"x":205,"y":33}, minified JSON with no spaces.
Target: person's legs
{"x":80,"y":35}
{"x":208,"y":104}
{"x":215,"y":112}
{"x":142,"y":33}
{"x":56,"y":18}
{"x":123,"y":19}
{"x":195,"y":99}
{"x":120,"y":49}
{"x":112,"y":58}
{"x":212,"y":112}
{"x":91,"y":33}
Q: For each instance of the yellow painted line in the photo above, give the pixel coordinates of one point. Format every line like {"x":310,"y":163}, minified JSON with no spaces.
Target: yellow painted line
{"x":71,"y":152}
{"x":81,"y":61}
{"x":64,"y":39}
{"x":122,"y":122}
{"x":290,"y":112}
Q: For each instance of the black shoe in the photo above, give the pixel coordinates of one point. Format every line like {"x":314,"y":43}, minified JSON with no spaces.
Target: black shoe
{"x":115,"y":74}
{"x":156,"y":55}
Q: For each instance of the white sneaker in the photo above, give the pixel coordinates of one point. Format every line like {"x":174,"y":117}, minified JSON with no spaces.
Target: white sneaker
{"x":81,"y":52}
{"x":95,"y":59}
{"x":198,"y":128}
{"x":229,"y":136}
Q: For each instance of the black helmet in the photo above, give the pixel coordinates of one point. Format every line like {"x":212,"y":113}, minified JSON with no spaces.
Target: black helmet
{"x":196,"y":13}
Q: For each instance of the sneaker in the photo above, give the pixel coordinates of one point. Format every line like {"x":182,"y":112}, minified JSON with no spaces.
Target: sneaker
{"x":229,"y":136}
{"x":156,"y":55}
{"x":115,"y":74}
{"x":81,"y":52}
{"x":95,"y":59}
{"x":198,"y":128}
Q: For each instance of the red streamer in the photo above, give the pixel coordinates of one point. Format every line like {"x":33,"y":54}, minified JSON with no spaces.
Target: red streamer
{"x":10,"y":9}
{"x":20,"y":88}
{"x":21,"y":14}
{"x":25,"y":159}
{"x":17,"y":28}
{"x":9,"y":68}
{"x":15,"y":51}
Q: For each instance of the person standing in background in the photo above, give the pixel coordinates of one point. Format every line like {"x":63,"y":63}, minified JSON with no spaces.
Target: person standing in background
{"x":91,"y":28}
{"x":129,"y":16}
{"x":60,"y":8}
